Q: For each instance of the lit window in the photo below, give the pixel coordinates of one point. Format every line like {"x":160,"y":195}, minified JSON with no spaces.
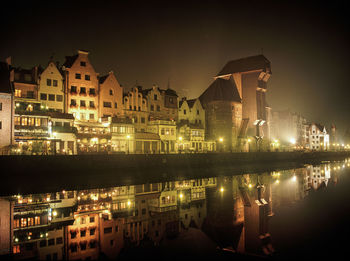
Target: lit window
{"x":16,"y":249}
{"x":18,"y":93}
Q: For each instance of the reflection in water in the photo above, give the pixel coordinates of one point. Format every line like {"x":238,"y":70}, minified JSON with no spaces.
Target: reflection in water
{"x":226,"y":212}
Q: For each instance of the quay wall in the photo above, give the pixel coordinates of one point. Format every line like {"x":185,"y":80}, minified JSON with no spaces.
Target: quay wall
{"x":39,"y":174}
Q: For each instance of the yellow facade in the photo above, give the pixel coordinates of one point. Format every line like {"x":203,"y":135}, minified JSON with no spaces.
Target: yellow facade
{"x":51,"y":89}
{"x":111,"y":96}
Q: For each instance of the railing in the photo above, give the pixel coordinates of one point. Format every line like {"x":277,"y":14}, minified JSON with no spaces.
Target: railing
{"x":162,"y":209}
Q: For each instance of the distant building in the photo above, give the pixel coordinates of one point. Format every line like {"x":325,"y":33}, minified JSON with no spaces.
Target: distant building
{"x":6,"y":109}
{"x":317,"y":137}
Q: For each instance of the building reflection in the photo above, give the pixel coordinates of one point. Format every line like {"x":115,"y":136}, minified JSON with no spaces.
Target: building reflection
{"x":233,"y":211}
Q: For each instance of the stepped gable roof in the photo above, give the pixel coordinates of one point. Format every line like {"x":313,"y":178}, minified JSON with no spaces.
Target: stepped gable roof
{"x":257,"y":62}
{"x":103,"y":78}
{"x":319,"y":126}
{"x":22,"y":75}
{"x":221,"y":90}
{"x":70,"y":60}
{"x":5,"y":84}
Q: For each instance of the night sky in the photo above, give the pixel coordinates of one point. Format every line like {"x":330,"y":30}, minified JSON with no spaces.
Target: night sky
{"x":187,"y":43}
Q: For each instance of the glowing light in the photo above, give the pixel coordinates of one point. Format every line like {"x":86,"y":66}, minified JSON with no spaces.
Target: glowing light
{"x":29,"y":237}
{"x":277,"y":181}
{"x":180,"y":138}
{"x":129,"y":203}
{"x":41,"y":235}
{"x":250,"y":185}
{"x":222,"y":189}
{"x":181,"y":196}
{"x":16,"y":239}
{"x":249,"y":140}
{"x":128,"y":136}
{"x":292,"y":141}
{"x":294,"y":178}
{"x":221,"y":139}
{"x":54,"y":213}
{"x":46,"y":234}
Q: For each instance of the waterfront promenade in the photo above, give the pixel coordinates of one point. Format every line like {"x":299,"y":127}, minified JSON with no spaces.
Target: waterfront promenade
{"x":38,"y":174}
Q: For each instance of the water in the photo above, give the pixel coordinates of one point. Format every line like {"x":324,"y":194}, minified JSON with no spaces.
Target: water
{"x":286,"y":214}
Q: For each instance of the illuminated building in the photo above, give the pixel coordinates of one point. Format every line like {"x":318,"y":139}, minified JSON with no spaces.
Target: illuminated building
{"x":51,"y":89}
{"x":81,"y":87}
{"x":162,"y":104}
{"x":166,"y":130}
{"x":6,"y":110}
{"x":110,"y":96}
{"x":223,"y":108}
{"x":317,"y":138}
{"x":123,"y":135}
{"x":135,"y":107}
{"x":249,"y":76}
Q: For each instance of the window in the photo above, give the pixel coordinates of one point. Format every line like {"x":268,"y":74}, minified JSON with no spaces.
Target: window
{"x":16,"y":249}
{"x":184,"y":111}
{"x":82,"y":246}
{"x":139,"y":108}
{"x":82,"y":233}
{"x":111,"y":242}
{"x":111,"y":92}
{"x":87,"y":77}
{"x":155,"y":97}
{"x":59,"y":240}
{"x":158,"y":108}
{"x":92,"y":219}
{"x":73,"y":89}
{"x":142,"y":120}
{"x":92,"y":104}
{"x":59,"y":98}
{"x":51,"y":97}
{"x":77,"y":76}
{"x":92,"y":91}
{"x":162,"y":132}
{"x":82,"y":104}
{"x":48,"y":82}
{"x":43,"y":243}
{"x":92,"y":231}
{"x":73,"y":102}
{"x":115,"y":105}
{"x":92,"y":116}
{"x":30,"y":94}
{"x":82,"y":90}
{"x":16,"y":223}
{"x":37,"y":220}
{"x":107,"y":230}
{"x":83,"y":64}
{"x":197,"y":112}
{"x":30,"y":221}
{"x":73,"y":234}
{"x":116,"y":229}
{"x":43,"y":96}
{"x":54,"y":83}
{"x":143,"y":211}
{"x":82,"y":220}
{"x":107,"y":104}
{"x":51,"y":241}
{"x":18,"y":93}
{"x":152,"y":107}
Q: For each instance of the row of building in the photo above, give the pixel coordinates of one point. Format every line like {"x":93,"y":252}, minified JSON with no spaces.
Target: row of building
{"x":72,"y":109}
{"x":103,"y":223}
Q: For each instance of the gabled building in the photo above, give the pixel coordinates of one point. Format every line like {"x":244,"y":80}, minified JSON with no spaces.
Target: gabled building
{"x":6,"y":109}
{"x":223,"y":110}
{"x":110,"y":96}
{"x":136,"y":108}
{"x":250,"y":75}
{"x":51,"y":88}
{"x":317,"y":138}
{"x":81,"y":87}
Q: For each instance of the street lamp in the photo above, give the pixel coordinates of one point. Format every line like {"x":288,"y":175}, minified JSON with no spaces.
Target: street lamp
{"x":128,"y":138}
{"x":249,"y":141}
{"x":221,"y":140}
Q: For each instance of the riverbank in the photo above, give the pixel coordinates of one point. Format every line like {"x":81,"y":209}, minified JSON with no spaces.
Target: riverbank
{"x":39,"y":174}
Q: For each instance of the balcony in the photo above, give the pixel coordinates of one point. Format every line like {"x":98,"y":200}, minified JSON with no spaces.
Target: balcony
{"x":64,"y":129}
{"x":162,"y":209}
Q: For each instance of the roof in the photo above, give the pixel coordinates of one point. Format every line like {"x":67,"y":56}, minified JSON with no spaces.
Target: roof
{"x":146,"y":136}
{"x":70,"y":60}
{"x":221,"y":90}
{"x":170,"y":92}
{"x":257,"y":62}
{"x":20,"y":74}
{"x":5,"y":84}
{"x":191,"y":102}
{"x":102,"y":79}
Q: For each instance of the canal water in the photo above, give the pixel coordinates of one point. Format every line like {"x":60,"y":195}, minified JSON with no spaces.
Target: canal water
{"x":279,"y":215}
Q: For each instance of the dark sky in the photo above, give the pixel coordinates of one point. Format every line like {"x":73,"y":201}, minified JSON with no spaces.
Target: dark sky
{"x":189,"y":42}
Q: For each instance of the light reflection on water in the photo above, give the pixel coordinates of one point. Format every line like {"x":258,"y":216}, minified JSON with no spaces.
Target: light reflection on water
{"x":269,"y":214}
